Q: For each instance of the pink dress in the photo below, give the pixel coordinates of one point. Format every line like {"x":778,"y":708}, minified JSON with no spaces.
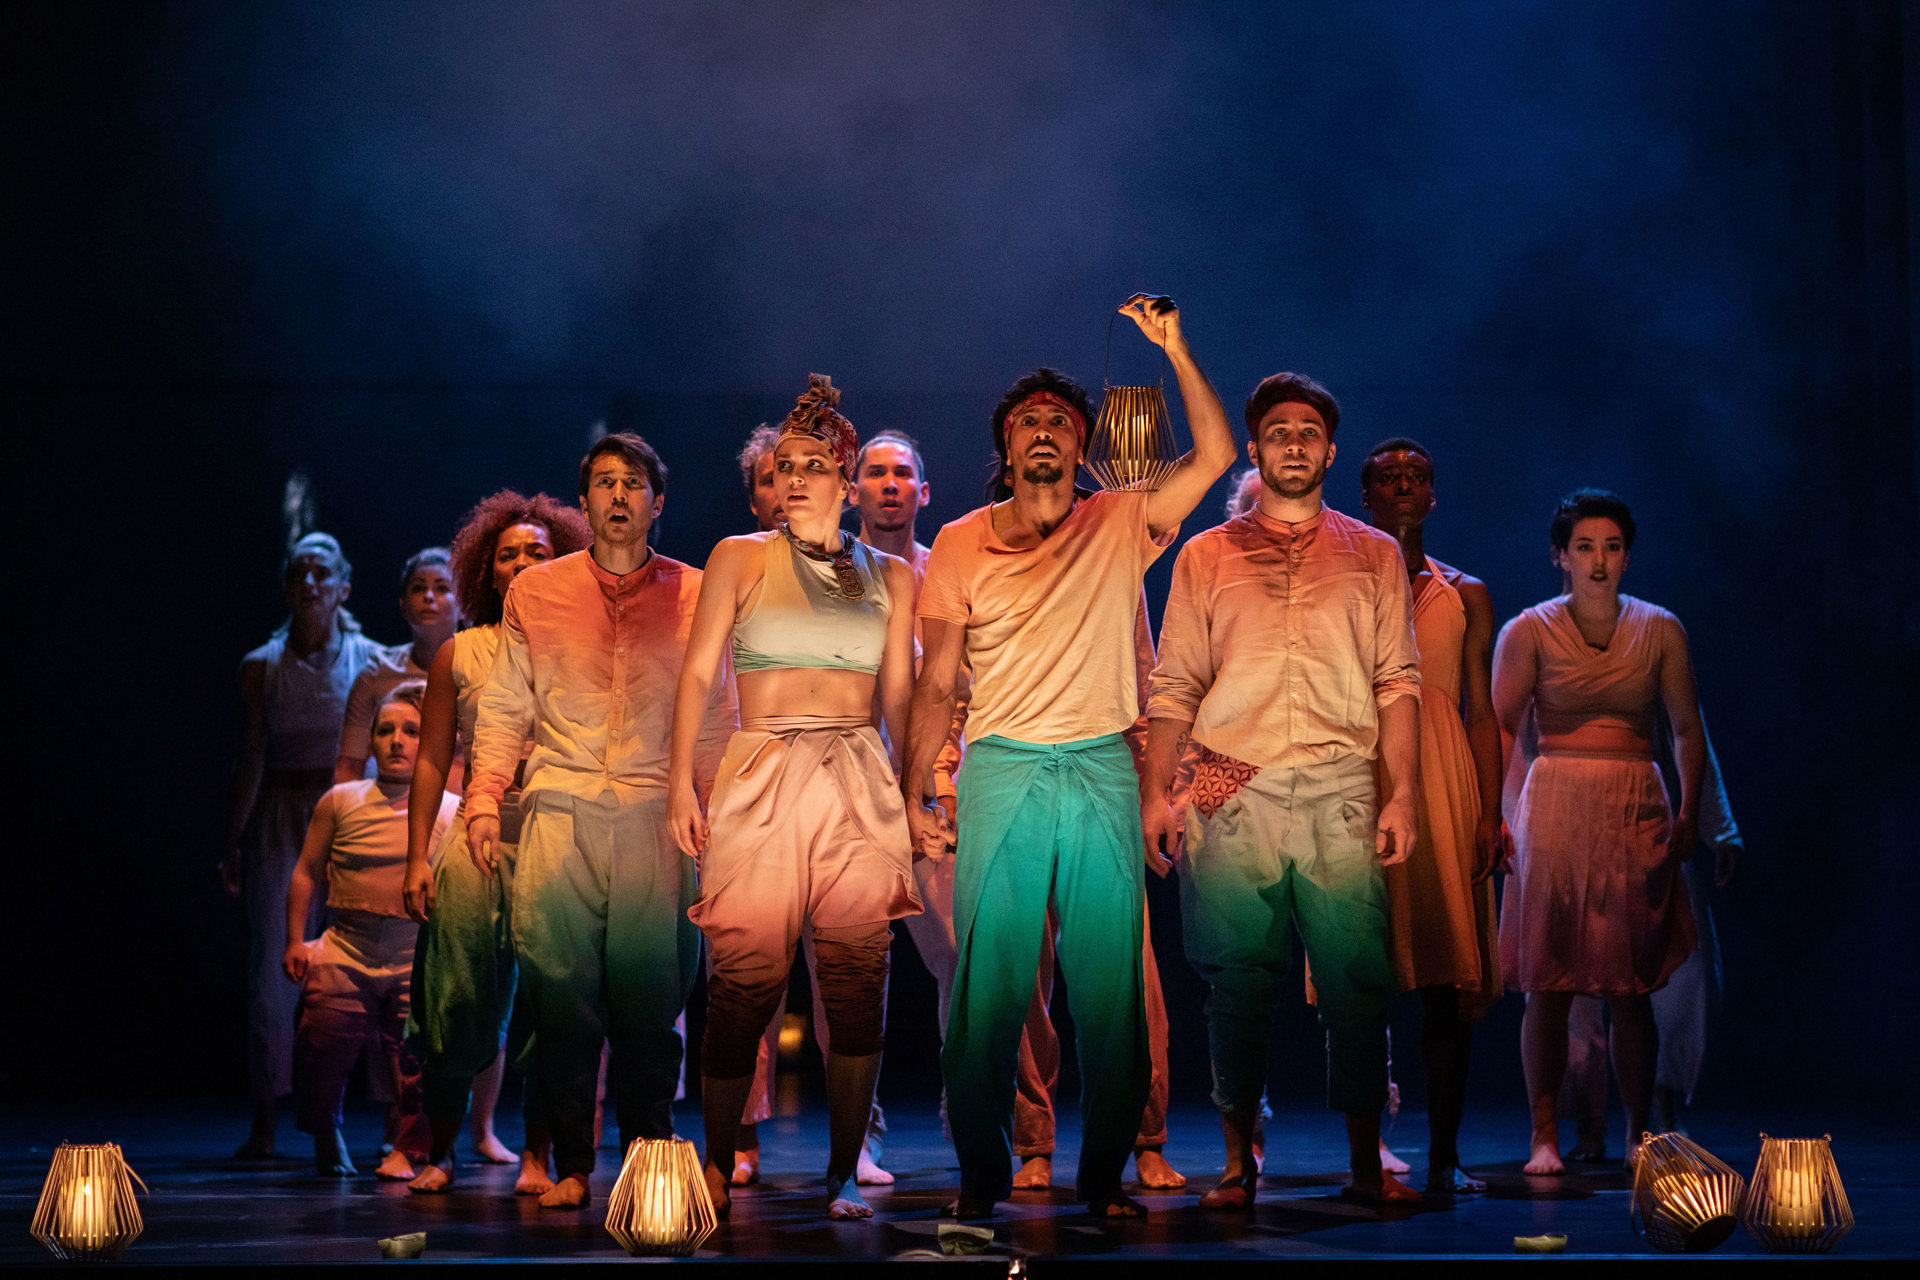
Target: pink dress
{"x":1595,"y":903}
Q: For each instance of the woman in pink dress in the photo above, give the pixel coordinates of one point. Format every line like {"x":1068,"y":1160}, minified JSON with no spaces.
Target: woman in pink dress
{"x":1596,"y":904}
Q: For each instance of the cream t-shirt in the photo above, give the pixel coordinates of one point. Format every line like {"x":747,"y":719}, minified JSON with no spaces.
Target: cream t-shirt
{"x":1050,"y":628}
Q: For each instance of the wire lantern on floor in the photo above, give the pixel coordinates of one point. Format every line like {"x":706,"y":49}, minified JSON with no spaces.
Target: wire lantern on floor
{"x":1685,"y":1200}
{"x":87,"y":1211}
{"x":1131,"y":448}
{"x":660,"y":1205}
{"x":1795,"y":1203}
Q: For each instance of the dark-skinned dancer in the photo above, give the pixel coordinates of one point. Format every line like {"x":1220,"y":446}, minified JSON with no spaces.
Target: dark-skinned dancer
{"x":1440,"y":900}
{"x":1038,"y":594}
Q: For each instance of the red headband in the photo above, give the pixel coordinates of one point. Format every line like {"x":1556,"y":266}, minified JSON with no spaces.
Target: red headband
{"x":1049,"y":397}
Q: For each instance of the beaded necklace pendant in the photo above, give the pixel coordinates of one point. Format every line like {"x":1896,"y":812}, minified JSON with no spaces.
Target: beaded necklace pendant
{"x":845,"y":575}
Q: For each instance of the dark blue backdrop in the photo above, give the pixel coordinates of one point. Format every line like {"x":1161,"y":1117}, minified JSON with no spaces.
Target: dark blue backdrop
{"x":417,"y":251}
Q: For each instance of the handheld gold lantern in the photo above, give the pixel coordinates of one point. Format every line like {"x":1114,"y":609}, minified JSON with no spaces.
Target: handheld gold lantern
{"x":87,"y":1212}
{"x":1795,"y":1203}
{"x":1131,"y":446}
{"x":660,"y":1203}
{"x":1684,"y":1199}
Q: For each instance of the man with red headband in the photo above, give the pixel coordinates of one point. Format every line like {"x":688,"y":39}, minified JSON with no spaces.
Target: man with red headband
{"x":1038,"y":591}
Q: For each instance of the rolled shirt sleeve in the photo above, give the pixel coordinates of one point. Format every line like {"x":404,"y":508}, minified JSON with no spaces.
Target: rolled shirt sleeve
{"x":1185,"y":670}
{"x":1396,"y":658}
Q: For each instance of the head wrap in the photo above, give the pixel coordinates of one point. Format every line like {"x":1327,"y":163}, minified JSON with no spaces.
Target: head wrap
{"x":1046,"y":398}
{"x":815,"y":415}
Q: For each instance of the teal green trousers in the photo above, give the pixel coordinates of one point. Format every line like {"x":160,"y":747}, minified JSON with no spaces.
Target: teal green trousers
{"x":463,"y":974}
{"x":1039,"y":822}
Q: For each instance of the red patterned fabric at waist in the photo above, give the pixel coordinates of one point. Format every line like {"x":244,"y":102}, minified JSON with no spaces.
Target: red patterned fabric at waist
{"x":1216,"y":779}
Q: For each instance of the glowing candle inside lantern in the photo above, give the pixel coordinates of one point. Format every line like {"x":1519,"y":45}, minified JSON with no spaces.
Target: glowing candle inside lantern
{"x":663,"y":1210}
{"x":88,"y":1217}
{"x":1795,"y":1201}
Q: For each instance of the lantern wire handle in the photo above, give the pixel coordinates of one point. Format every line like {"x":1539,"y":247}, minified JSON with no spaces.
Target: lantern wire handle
{"x":1107,"y":367}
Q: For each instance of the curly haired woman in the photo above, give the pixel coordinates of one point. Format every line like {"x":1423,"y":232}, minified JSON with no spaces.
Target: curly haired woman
{"x":465,"y":968}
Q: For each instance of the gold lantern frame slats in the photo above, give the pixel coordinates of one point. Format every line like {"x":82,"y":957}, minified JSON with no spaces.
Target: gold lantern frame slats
{"x":1795,"y":1203}
{"x":1132,"y":447}
{"x":660,"y":1205}
{"x":1685,"y":1199}
{"x":87,"y":1210}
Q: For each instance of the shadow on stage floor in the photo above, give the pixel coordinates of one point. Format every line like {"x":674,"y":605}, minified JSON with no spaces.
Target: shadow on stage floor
{"x":207,"y":1209}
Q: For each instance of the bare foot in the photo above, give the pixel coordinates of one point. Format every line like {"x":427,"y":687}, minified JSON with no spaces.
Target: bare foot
{"x":1035,"y":1175}
{"x":717,"y":1191}
{"x":569,"y":1193}
{"x":1152,"y":1172}
{"x":394,"y":1167}
{"x":330,"y":1155}
{"x":1390,"y":1191}
{"x":1545,"y":1162}
{"x":1117,"y":1205}
{"x":491,"y":1150}
{"x":1391,"y":1163}
{"x":1591,"y":1143}
{"x":867,"y":1172}
{"x":1232,"y":1193}
{"x":746,"y":1166}
{"x":533,"y":1179}
{"x":845,"y":1203}
{"x":435,"y":1179}
{"x":1452,"y":1180}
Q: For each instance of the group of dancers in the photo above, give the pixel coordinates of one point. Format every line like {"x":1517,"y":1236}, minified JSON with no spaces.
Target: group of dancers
{"x":527,"y":833}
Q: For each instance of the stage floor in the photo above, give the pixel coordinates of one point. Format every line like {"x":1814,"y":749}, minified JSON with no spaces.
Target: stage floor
{"x":208,"y":1209}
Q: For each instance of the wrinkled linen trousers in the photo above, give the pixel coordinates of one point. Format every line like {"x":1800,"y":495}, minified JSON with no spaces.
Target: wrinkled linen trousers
{"x":606,"y":954}
{"x":355,"y":994}
{"x":268,"y":851}
{"x":807,"y":831}
{"x":465,"y":972}
{"x":1047,"y":823}
{"x":1291,"y":846}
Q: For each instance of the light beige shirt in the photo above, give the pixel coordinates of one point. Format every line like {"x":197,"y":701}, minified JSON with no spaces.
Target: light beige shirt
{"x":1050,"y":628}
{"x":1282,"y":642}
{"x":587,"y":667}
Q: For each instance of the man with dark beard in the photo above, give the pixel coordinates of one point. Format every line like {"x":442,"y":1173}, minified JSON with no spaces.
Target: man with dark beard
{"x":1038,"y":592}
{"x":1287,"y":656}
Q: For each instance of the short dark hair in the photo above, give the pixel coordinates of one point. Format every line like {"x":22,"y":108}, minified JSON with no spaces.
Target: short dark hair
{"x":421,"y":559}
{"x":411,"y":692}
{"x":634,"y":451}
{"x":1392,"y":444}
{"x":890,"y":436}
{"x":1590,"y":504}
{"x":1281,"y":387}
{"x":759,"y":444}
{"x":999,"y":486}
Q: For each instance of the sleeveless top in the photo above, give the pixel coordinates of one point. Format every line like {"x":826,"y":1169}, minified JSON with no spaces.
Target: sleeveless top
{"x":800,"y":620}
{"x":1440,"y":634}
{"x":473,"y":651}
{"x":1617,"y":687}
{"x":307,"y":704}
{"x":367,"y":861}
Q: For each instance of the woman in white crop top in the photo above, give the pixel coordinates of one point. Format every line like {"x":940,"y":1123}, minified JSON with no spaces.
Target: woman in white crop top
{"x":806,"y":824}
{"x":467,"y":968}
